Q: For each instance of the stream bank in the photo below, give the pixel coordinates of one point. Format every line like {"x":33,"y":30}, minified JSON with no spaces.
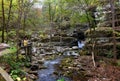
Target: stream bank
{"x":82,"y":69}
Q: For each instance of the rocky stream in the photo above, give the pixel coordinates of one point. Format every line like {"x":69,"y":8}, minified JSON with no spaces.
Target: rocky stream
{"x":45,"y":59}
{"x":53,"y":61}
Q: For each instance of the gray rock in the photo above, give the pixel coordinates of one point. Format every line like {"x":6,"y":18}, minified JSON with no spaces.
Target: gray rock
{"x":75,"y":47}
{"x":71,"y":52}
{"x":40,"y":61}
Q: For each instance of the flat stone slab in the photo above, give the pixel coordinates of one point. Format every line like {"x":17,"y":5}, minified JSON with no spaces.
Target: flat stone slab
{"x":5,"y":75}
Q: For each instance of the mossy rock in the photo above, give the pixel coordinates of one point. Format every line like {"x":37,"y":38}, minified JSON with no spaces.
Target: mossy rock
{"x":45,"y":40}
{"x":105,"y":49}
{"x":64,"y":39}
{"x":67,"y":39}
{"x":66,"y":62}
{"x":102,"y":32}
{"x":55,"y":38}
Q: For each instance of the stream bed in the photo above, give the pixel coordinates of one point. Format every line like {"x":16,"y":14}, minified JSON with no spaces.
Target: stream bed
{"x":48,"y":73}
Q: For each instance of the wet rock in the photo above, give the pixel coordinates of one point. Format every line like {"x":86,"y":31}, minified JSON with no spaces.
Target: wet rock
{"x":75,"y":47}
{"x":34,"y":67}
{"x":33,"y":72}
{"x":54,"y":51}
{"x":42,"y":51}
{"x":48,"y":53}
{"x":82,"y":69}
{"x":67,"y":48}
{"x":65,"y":68}
{"x":75,"y":64}
{"x":40,"y":61}
{"x":38,"y":52}
{"x":34,"y":58}
{"x":73,"y":68}
{"x":32,"y":76}
{"x":34,"y":62}
{"x":67,"y":73}
{"x":42,"y":67}
{"x":36,"y":55}
{"x":34,"y":50}
{"x":22,"y":52}
{"x":71,"y":53}
{"x":56,"y":73}
{"x":59,"y":49}
{"x":78,"y":65}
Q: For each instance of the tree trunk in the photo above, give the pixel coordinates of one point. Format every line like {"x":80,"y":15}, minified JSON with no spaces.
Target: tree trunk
{"x":50,"y":21}
{"x":24,"y":22}
{"x":61,"y":18}
{"x":8,"y":20}
{"x":113,"y":26}
{"x":3,"y":20}
{"x":18,"y":25}
{"x":93,"y":53}
{"x":92,"y":24}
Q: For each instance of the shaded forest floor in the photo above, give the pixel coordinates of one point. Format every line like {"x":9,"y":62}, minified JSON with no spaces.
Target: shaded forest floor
{"x":82,"y":69}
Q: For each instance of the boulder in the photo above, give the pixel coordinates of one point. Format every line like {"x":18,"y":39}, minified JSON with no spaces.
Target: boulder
{"x":4,"y":46}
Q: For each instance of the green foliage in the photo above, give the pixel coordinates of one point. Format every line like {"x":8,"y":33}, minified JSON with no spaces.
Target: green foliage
{"x":14,"y":77}
{"x":10,"y":51}
{"x":1,"y":34}
{"x":13,"y":49}
{"x":27,"y":14}
{"x":118,"y":63}
{"x":16,"y":70}
{"x":75,"y":10}
{"x":12,"y":33}
{"x":117,"y":33}
{"x":109,"y":54}
{"x":62,"y":79}
{"x":11,"y":60}
{"x":16,"y":73}
{"x":15,"y":65}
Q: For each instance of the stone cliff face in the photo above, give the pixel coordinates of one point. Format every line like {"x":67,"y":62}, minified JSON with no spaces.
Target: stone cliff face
{"x":103,"y":37}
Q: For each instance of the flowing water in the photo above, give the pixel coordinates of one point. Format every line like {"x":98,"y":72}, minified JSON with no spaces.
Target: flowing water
{"x":48,"y":74}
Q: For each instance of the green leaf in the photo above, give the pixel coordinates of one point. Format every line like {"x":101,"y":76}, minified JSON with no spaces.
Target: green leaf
{"x":61,"y":79}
